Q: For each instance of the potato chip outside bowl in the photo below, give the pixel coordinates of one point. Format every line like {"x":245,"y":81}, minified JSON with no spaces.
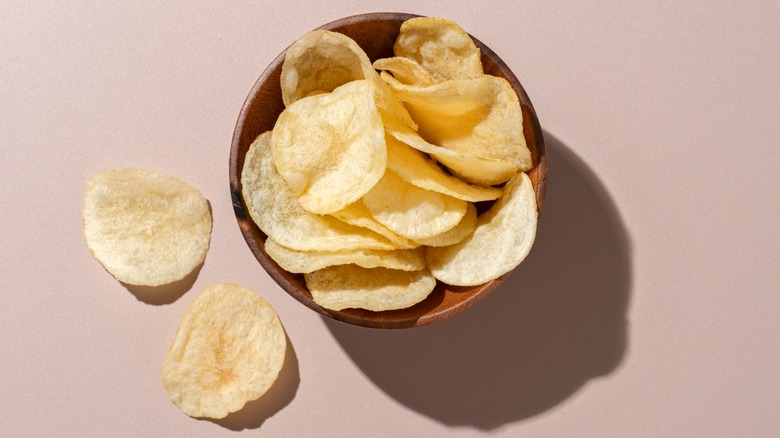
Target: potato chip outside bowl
{"x":375,"y":33}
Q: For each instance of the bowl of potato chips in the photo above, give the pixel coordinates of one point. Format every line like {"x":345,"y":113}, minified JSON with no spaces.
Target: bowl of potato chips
{"x":387,"y":170}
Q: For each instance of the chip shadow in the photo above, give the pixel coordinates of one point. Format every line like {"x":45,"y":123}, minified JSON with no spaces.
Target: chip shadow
{"x":279,"y":395}
{"x":166,"y":293}
{"x":556,"y":323}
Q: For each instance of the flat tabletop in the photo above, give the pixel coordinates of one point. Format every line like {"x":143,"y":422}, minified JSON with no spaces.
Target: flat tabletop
{"x":648,"y":306}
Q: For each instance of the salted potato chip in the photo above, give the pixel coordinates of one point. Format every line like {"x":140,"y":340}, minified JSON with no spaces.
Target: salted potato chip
{"x":480,"y":116}
{"x":416,"y":168}
{"x":441,"y":46}
{"x":377,"y":289}
{"x":228,"y":350}
{"x":299,"y":262}
{"x":357,"y":214}
{"x":471,"y":168}
{"x":330,"y":148}
{"x":321,"y":61}
{"x":458,"y":233}
{"x":502,"y":239}
{"x":405,"y":70}
{"x":144,"y":227}
{"x":410,"y":211}
{"x":277,"y":213}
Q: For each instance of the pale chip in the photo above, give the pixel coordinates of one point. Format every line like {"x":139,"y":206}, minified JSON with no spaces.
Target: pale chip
{"x":299,"y":262}
{"x":417,"y":168}
{"x":480,"y":116}
{"x":228,"y":350}
{"x":330,"y":148}
{"x":377,"y":289}
{"x":458,"y":233}
{"x":277,"y":213}
{"x":405,"y":70}
{"x":441,"y":46}
{"x":321,"y":61}
{"x":471,"y":168}
{"x":502,"y":239}
{"x":144,"y":227}
{"x":410,"y":211}
{"x":357,"y":214}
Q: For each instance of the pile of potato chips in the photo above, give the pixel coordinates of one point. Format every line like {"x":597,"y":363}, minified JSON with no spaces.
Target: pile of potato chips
{"x":368,"y":181}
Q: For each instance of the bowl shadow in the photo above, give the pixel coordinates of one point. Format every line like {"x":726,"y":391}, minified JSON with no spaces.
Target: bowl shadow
{"x":557,"y":322}
{"x":279,"y":395}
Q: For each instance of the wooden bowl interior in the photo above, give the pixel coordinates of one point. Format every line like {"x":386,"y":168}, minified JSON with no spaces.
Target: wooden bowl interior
{"x":375,"y":33}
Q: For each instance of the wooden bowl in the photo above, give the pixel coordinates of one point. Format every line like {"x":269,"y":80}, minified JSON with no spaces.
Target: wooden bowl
{"x":375,"y":33}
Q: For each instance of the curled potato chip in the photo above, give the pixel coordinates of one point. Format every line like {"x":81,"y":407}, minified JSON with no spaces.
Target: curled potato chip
{"x":506,"y":232}
{"x":458,"y":233}
{"x":416,"y":168}
{"x":405,"y":70}
{"x":441,"y":46}
{"x":321,"y":61}
{"x":377,"y":289}
{"x":357,"y":214}
{"x":410,"y":211}
{"x":471,"y":168}
{"x":480,"y":116}
{"x":330,"y":148}
{"x":299,"y":262}
{"x":228,"y":350}
{"x":144,"y":227}
{"x":276,"y":211}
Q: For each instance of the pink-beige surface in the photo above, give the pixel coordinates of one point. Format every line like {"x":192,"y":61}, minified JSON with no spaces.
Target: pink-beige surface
{"x":648,"y":307}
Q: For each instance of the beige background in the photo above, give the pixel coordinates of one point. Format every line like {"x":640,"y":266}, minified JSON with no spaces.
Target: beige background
{"x":649,"y":306}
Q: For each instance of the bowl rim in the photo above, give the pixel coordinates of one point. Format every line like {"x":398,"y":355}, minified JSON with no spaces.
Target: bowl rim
{"x":250,"y":231}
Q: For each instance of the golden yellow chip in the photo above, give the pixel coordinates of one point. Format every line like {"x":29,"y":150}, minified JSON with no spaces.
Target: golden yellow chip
{"x":144,"y":227}
{"x":320,"y":61}
{"x":377,"y":289}
{"x":410,"y":211}
{"x":299,"y":262}
{"x":228,"y":350}
{"x":442,"y":47}
{"x":405,"y":70}
{"x":458,"y":233}
{"x":330,"y":148}
{"x":357,"y":214}
{"x":416,"y":168}
{"x":480,"y":116}
{"x":276,"y":211}
{"x":502,"y":239}
{"x":470,"y":168}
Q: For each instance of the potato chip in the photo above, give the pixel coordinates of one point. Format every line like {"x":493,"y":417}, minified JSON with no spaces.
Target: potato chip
{"x":330,"y":148}
{"x":357,"y":214}
{"x":228,"y":350}
{"x":321,"y":61}
{"x":473,"y":169}
{"x":458,"y":233}
{"x":442,"y":47}
{"x":405,"y":70}
{"x":144,"y":227}
{"x":410,"y":211}
{"x":276,"y":211}
{"x":480,"y":116}
{"x":377,"y":289}
{"x":299,"y":262}
{"x":415,"y":167}
{"x":502,"y":239}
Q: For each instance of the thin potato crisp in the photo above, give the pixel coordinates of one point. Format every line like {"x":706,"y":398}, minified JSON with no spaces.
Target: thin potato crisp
{"x":144,"y":227}
{"x":378,"y":289}
{"x":228,"y":350}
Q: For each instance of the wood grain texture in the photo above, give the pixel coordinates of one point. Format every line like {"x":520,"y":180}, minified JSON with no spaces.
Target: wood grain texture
{"x":375,"y":33}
